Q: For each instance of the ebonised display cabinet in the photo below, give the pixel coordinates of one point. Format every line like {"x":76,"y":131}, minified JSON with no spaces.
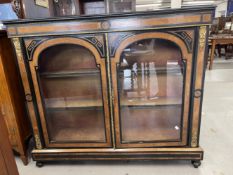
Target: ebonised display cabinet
{"x":115,"y":87}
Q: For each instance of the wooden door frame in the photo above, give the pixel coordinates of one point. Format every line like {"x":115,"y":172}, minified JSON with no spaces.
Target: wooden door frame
{"x":187,"y":56}
{"x":100,"y":63}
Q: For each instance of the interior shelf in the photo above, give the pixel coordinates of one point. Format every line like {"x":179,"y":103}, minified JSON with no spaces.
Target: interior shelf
{"x":57,"y":103}
{"x":86,"y":72}
{"x":95,"y":72}
{"x":72,"y":103}
{"x":151,"y":102}
{"x":158,"y":70}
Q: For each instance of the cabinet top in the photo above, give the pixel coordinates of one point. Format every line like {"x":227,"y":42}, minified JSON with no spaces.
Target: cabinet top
{"x":169,"y":18}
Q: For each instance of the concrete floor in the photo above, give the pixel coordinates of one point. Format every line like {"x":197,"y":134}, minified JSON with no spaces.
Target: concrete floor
{"x":216,"y":139}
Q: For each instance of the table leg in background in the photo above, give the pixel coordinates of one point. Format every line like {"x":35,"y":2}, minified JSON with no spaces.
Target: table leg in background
{"x":212,"y":54}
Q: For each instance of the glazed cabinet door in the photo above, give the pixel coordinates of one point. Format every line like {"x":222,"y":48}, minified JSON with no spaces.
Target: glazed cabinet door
{"x":151,"y":77}
{"x":69,"y":79}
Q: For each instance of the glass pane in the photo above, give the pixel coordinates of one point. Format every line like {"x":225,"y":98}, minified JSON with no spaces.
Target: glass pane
{"x":70,"y":84}
{"x":150,"y":80}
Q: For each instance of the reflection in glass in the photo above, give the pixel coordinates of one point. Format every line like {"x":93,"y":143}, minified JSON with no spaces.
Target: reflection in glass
{"x":150,"y":79}
{"x":70,"y":86}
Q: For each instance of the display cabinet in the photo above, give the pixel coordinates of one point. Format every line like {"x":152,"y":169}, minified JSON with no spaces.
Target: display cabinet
{"x":115,"y":87}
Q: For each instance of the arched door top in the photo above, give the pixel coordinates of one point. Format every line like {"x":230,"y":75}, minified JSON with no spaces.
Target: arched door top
{"x":65,"y":40}
{"x":156,"y":35}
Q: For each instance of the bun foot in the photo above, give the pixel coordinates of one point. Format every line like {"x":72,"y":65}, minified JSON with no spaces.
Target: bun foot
{"x":196,"y":163}
{"x":39,"y":164}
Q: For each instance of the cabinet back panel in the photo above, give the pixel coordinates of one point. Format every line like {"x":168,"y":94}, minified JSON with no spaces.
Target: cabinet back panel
{"x":67,"y":57}
{"x":80,"y":87}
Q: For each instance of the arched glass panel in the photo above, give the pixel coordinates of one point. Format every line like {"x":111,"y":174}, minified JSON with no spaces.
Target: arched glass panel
{"x":150,"y":83}
{"x":70,"y":85}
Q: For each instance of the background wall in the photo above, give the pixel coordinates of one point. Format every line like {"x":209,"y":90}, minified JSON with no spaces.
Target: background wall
{"x":221,"y":8}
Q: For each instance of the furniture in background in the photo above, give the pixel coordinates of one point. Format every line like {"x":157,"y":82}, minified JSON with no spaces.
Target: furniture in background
{"x":33,"y":9}
{"x":221,"y":40}
{"x":7,"y":161}
{"x":53,"y":8}
{"x":120,"y":6}
{"x":91,"y":7}
{"x":12,"y":99}
{"x":66,"y":7}
{"x":115,"y":87}
{"x":88,"y":7}
{"x":221,"y":34}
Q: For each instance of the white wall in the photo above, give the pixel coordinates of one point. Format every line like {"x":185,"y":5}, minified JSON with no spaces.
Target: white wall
{"x":176,"y":3}
{"x":156,"y":4}
{"x":144,"y":5}
{"x":221,"y":9}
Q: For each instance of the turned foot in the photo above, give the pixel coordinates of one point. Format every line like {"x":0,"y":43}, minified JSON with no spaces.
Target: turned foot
{"x":196,"y":163}
{"x":24,"y":160}
{"x":39,"y":164}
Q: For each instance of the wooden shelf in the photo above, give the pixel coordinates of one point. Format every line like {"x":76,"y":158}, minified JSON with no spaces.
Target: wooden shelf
{"x":86,"y":72}
{"x":57,"y":103}
{"x":151,"y":102}
{"x":158,"y":70}
{"x":72,"y":103}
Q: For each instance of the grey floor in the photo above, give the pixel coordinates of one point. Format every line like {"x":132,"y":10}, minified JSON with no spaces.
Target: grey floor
{"x":216,"y":139}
